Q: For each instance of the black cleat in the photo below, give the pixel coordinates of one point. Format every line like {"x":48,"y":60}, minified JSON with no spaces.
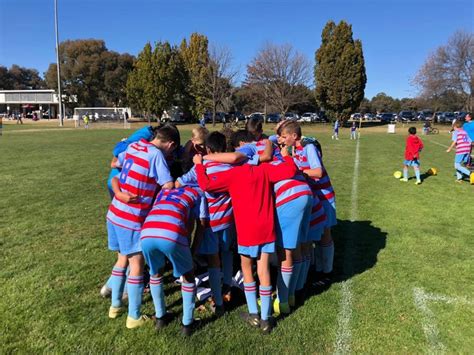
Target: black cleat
{"x":251,"y":318}
{"x":267,"y":325}
{"x":188,"y":330}
{"x":162,"y":322}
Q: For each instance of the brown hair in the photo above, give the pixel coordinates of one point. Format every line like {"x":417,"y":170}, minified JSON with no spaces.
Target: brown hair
{"x":199,"y":133}
{"x":290,"y":127}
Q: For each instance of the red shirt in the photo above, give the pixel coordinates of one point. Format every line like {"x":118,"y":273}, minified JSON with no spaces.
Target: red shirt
{"x":251,"y":190}
{"x":413,"y":147}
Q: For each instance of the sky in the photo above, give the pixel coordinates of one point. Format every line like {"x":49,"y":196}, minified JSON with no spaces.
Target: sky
{"x":397,"y":35}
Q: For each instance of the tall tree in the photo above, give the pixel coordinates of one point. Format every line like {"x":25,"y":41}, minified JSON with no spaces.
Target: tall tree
{"x":384,"y":103}
{"x":139,"y":86}
{"x":20,"y":78}
{"x":278,"y":71}
{"x":195,"y":57}
{"x":5,"y":79}
{"x":450,"y":68}
{"x":339,"y":71}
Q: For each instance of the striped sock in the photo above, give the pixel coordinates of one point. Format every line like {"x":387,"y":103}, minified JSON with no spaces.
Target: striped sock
{"x":135,"y":292}
{"x":187,"y":292}
{"x":158,"y":295}
{"x":250,"y":290}
{"x":215,"y":282}
{"x":266,"y":301}
{"x":283,"y":283}
{"x":294,"y":280}
{"x":227,"y":264}
{"x":328,"y":256}
{"x":117,"y":282}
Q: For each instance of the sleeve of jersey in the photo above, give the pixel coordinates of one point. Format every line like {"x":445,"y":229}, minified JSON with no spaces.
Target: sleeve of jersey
{"x":159,"y":169}
{"x":313,"y":158}
{"x":273,"y":138}
{"x":251,"y":152}
{"x":201,"y":209}
{"x":189,"y":179}
{"x":120,"y":160}
{"x":218,"y":182}
{"x":285,"y":170}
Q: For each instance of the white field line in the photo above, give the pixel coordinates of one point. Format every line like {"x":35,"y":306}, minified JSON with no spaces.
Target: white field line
{"x":429,"y":326}
{"x":344,"y":334}
{"x":440,"y":144}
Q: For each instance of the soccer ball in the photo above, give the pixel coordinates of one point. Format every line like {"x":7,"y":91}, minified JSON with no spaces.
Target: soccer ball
{"x":397,"y":174}
{"x":432,"y":171}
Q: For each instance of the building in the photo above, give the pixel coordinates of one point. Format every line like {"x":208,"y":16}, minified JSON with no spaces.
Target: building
{"x":41,"y":103}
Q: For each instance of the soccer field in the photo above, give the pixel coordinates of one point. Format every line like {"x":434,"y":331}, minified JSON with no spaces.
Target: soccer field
{"x":404,"y":255}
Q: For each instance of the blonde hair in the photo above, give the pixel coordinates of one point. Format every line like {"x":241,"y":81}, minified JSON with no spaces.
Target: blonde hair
{"x":199,"y":134}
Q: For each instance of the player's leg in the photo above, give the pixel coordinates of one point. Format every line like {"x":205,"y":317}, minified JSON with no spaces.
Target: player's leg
{"x":263,"y":270}
{"x":215,"y":278}
{"x":117,"y":284}
{"x":227,"y":240}
{"x":250,"y":286}
{"x":135,"y":288}
{"x":285,"y":257}
{"x":405,"y":173}
{"x":417,"y":174}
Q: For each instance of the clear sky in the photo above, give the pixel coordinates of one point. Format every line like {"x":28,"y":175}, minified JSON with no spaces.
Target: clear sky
{"x":397,"y":35}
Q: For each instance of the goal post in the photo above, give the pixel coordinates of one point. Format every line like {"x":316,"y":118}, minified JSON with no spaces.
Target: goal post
{"x":117,"y":115}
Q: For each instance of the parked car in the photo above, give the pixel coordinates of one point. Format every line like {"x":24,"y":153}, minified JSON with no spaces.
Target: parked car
{"x":236,"y":115}
{"x":369,"y":116}
{"x":260,"y":116}
{"x":446,"y":117}
{"x":406,"y":116}
{"x":386,"y":117}
{"x":273,"y":117}
{"x":291,"y":116}
{"x":356,"y":116}
{"x":308,"y":117}
{"x":425,"y":115}
{"x":460,"y":115}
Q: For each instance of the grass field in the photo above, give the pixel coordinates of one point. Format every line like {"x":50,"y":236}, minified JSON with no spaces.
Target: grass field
{"x":404,"y":255}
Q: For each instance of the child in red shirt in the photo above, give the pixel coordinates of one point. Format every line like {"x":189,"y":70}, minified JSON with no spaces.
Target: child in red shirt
{"x":251,"y":190}
{"x":413,"y":147}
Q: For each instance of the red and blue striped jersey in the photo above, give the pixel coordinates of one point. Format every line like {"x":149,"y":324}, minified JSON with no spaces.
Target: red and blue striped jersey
{"x":308,"y":157}
{"x":144,"y":170}
{"x":168,"y":219}
{"x":463,"y":142}
{"x":220,"y":206}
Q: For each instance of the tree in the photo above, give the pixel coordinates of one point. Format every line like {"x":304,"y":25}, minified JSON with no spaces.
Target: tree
{"x":384,"y":103}
{"x":450,"y":68}
{"x":20,"y":78}
{"x":277,"y":72}
{"x":139,"y":86}
{"x":5,"y":79}
{"x":221,"y":77}
{"x":339,"y":71}
{"x":195,"y":56}
{"x":365,"y":106}
{"x":117,"y":68}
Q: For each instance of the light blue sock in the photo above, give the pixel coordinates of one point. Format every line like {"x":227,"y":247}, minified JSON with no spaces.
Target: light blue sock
{"x":216,"y":286}
{"x":328,"y":256}
{"x":187,"y":292}
{"x":135,"y":292}
{"x":227,"y":265}
{"x":250,"y":290}
{"x":266,"y":301}
{"x":417,"y":174}
{"x":109,"y":281}
{"x":296,"y":274}
{"x":405,"y":173}
{"x":117,"y":282}
{"x":158,"y":295}
{"x":285,"y":275}
{"x":318,"y":257}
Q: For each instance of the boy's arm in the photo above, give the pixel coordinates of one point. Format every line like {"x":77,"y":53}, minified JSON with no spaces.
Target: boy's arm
{"x":283,"y":171}
{"x":226,"y":158}
{"x":122,"y":196}
{"x":453,"y":143}
{"x":188,"y":179}
{"x":267,"y":154}
{"x":219,"y":182}
{"x":316,"y":170}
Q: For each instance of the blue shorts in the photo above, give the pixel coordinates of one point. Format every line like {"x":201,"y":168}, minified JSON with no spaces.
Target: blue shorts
{"x":414,"y":162}
{"x":213,"y":242}
{"x":155,"y":250}
{"x":330,"y":210}
{"x":254,"y":251}
{"x":292,"y":222}
{"x":461,"y":158}
{"x":125,"y":241}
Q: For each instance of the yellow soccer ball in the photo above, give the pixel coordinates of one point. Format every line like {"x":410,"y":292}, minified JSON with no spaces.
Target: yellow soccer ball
{"x":433,"y":171}
{"x":397,"y":174}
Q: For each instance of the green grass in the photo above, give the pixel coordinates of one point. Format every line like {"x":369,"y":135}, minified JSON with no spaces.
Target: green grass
{"x":53,"y":202}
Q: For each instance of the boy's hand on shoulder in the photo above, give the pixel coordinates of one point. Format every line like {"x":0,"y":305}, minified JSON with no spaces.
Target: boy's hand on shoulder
{"x":127,"y":197}
{"x":197,"y":159}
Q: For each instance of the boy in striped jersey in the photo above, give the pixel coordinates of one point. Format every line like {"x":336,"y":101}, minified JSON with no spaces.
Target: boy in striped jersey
{"x":221,"y":235}
{"x":462,"y":142}
{"x":144,"y":172}
{"x":250,"y":188}
{"x":308,"y":160}
{"x":165,"y":234}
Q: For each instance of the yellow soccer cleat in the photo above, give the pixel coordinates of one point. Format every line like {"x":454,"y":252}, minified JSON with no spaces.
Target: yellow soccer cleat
{"x":135,"y":323}
{"x":471,"y":179}
{"x":115,"y":312}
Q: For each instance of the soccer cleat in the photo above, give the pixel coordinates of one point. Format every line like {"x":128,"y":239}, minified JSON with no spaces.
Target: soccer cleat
{"x":250,"y":318}
{"x":404,"y":180}
{"x":188,"y":330}
{"x":267,"y":325}
{"x":105,"y":291}
{"x":279,"y":308}
{"x":291,"y":300}
{"x":115,"y":312}
{"x":471,"y":179}
{"x":459,"y":181}
{"x":135,"y":323}
{"x":218,"y":310}
{"x":418,"y":182}
{"x":162,"y":322}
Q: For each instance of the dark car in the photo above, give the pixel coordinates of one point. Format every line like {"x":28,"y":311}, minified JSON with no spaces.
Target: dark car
{"x":258,"y":116}
{"x":236,"y":115}
{"x":386,"y":117}
{"x":406,"y":116}
{"x":446,"y":117}
{"x":273,"y":117}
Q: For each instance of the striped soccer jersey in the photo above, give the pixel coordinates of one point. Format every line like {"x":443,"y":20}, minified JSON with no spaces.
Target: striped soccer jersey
{"x":220,"y":206}
{"x":463,"y":142}
{"x":170,"y":214}
{"x":144,"y":169}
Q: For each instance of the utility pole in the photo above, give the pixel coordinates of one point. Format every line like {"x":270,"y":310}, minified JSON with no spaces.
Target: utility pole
{"x":61,"y":122}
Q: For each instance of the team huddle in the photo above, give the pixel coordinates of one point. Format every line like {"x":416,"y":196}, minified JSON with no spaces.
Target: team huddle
{"x":269,"y":199}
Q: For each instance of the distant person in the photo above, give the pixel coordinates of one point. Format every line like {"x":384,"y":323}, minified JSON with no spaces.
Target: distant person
{"x":469,"y":128}
{"x":86,"y":121}
{"x":19,"y":119}
{"x":413,"y":147}
{"x":96,"y":116}
{"x":426,"y":127}
{"x":462,"y":142}
{"x":202,"y":121}
{"x":126,"y":116}
{"x":336,"y":130}
{"x":354,"y":131}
